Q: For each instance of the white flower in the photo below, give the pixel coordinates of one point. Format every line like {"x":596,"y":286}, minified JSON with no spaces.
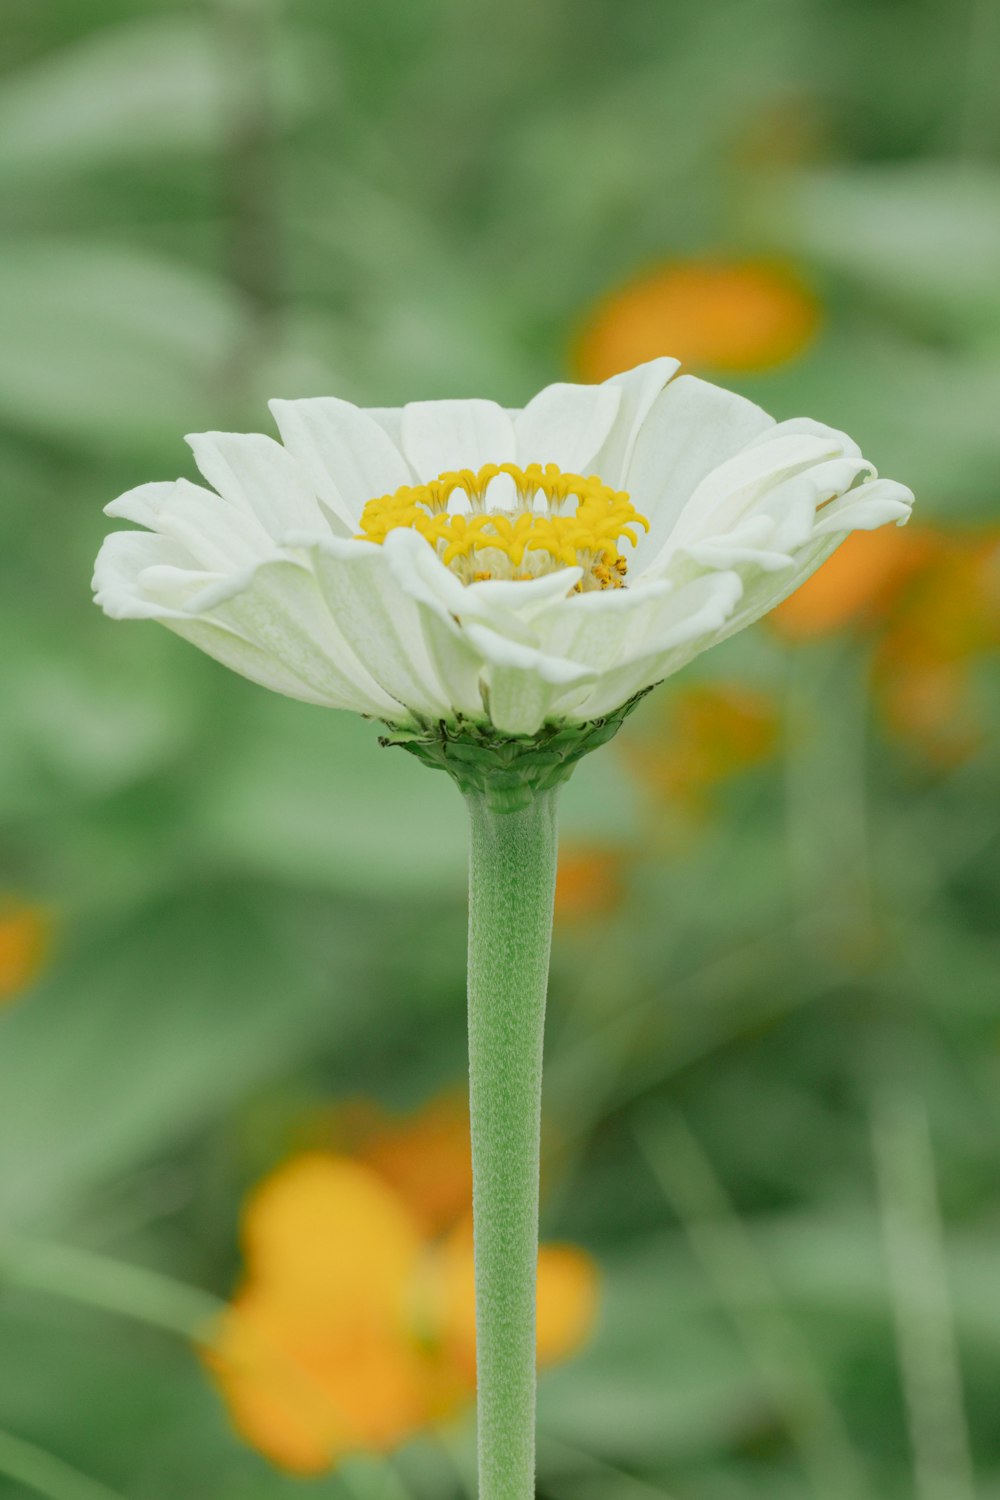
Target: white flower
{"x":661,"y":515}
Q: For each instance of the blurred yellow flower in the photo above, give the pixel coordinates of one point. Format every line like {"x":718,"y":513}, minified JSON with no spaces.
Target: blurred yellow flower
{"x":24,"y":932}
{"x":715,"y":316}
{"x":355,"y":1325}
{"x":567,"y":1290}
{"x":714,"y":731}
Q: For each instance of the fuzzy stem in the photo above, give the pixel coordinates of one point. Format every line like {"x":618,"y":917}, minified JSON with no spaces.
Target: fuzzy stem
{"x":512,"y":872}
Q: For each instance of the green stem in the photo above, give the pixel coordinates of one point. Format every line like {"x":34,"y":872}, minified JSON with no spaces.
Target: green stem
{"x":113,"y":1286}
{"x":512,"y":870}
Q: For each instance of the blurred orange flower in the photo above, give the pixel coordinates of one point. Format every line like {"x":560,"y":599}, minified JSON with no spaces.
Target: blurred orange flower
{"x":714,"y":316}
{"x":933,"y":598}
{"x":589,"y":882}
{"x":426,"y":1157}
{"x":860,"y":583}
{"x":713,"y":731}
{"x":355,"y":1325}
{"x":946,"y":620}
{"x":24,"y":933}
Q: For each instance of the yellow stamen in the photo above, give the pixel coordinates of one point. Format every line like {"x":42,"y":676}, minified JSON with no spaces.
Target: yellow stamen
{"x":581,"y":526}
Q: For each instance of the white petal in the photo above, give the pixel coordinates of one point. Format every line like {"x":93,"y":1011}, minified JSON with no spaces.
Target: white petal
{"x":565,"y":425}
{"x":174,"y":587}
{"x":443,"y":435}
{"x":381,"y":622}
{"x":779,"y":523}
{"x":834,"y":475}
{"x":279,"y":607}
{"x":638,"y":389}
{"x":727,"y":492}
{"x":500,"y":606}
{"x":125,"y":563}
{"x":694,"y":610}
{"x":217,"y":535}
{"x":691,"y":429}
{"x":808,"y":427}
{"x":768,"y":536}
{"x":457,"y":664}
{"x":723,"y":553}
{"x":214,"y":533}
{"x":348,"y":456}
{"x":425,"y":577}
{"x":765,"y":591}
{"x":495,"y":597}
{"x":241,"y":656}
{"x":870,"y":505}
{"x":525,"y":688}
{"x":877,"y":503}
{"x":390,"y":419}
{"x":686,"y":622}
{"x":144,"y":503}
{"x":121,"y":562}
{"x":258,"y":476}
{"x":595,"y":629}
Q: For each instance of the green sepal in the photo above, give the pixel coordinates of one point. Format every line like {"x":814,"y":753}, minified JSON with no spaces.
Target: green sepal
{"x":508,"y":770}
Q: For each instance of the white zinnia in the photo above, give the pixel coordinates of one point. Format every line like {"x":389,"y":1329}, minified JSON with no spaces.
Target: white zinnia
{"x":266,"y":571}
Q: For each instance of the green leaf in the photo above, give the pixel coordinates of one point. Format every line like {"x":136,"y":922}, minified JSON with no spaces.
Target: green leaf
{"x":924,"y":235}
{"x":105,"y":346}
{"x":120,"y":92}
{"x":150,"y":1028}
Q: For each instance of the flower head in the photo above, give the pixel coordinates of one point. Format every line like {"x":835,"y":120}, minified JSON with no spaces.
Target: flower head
{"x":354,"y":1327}
{"x":455,"y":564}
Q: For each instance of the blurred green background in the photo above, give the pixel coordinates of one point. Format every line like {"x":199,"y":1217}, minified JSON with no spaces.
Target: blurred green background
{"x":773,"y":1113}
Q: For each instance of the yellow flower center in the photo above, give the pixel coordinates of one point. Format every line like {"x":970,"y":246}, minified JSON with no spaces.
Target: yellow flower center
{"x":513,"y":523}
